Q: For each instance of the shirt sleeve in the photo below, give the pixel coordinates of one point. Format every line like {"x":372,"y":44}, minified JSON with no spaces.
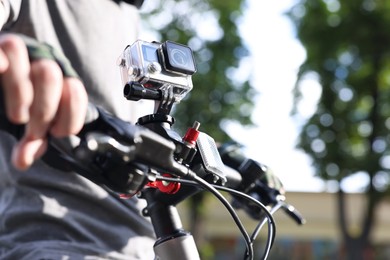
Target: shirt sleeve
{"x":11,"y":9}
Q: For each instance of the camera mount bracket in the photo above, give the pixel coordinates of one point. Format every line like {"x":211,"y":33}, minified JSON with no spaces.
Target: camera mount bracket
{"x":165,"y":104}
{"x":164,"y":97}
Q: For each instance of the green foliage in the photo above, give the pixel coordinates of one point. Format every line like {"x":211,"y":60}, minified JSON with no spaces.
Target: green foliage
{"x":210,"y":29}
{"x":348,"y":48}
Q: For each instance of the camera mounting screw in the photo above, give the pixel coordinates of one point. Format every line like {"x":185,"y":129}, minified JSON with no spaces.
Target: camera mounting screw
{"x":154,"y":67}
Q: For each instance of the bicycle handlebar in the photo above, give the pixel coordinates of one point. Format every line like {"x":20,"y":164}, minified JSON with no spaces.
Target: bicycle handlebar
{"x":126,"y":157}
{"x":131,"y":144}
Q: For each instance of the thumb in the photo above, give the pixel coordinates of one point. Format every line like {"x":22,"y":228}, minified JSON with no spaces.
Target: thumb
{"x":27,"y":151}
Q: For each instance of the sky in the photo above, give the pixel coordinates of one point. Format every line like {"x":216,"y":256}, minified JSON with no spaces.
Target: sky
{"x":276,"y":55}
{"x":275,"y":58}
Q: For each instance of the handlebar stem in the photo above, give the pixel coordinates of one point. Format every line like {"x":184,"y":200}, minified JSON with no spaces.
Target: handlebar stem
{"x":172,"y":239}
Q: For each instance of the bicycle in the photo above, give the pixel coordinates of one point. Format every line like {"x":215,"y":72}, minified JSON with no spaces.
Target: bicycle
{"x":154,"y":162}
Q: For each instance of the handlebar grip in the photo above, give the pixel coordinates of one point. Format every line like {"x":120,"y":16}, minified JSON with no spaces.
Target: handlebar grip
{"x":17,"y":130}
{"x":231,"y":154}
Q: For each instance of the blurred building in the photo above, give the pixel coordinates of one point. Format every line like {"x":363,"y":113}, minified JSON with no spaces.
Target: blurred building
{"x":319,"y":238}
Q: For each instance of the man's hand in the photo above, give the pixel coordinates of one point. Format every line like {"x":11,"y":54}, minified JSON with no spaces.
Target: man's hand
{"x":38,"y":95}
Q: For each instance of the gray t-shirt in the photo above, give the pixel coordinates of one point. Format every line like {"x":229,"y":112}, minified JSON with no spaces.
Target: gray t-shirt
{"x":50,"y":214}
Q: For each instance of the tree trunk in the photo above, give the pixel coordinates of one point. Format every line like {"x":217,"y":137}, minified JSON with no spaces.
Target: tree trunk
{"x":357,"y":247}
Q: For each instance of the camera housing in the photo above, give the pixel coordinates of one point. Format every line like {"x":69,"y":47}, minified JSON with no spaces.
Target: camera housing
{"x":167,"y":66}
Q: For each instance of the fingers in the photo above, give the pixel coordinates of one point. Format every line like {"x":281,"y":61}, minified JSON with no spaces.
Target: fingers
{"x":37,"y":95}
{"x":72,"y":109}
{"x":17,"y":87}
{"x":46,"y":82}
{"x":58,"y":108}
{"x":46,"y":77}
{"x":27,"y":151}
{"x":3,"y":61}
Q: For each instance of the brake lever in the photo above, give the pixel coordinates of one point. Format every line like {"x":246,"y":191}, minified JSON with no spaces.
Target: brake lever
{"x":258,"y":182}
{"x":292,"y":212}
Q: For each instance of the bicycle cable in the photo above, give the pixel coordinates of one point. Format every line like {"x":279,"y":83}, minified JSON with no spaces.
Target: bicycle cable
{"x":249,"y":242}
{"x":269,"y":218}
{"x":230,"y":209}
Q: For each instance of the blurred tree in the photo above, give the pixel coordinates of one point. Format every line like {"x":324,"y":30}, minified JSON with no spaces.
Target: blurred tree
{"x":348,"y":49}
{"x":210,"y":29}
{"x":221,"y":93}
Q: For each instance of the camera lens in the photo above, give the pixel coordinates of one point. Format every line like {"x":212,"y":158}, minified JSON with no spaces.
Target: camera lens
{"x":179,"y":57}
